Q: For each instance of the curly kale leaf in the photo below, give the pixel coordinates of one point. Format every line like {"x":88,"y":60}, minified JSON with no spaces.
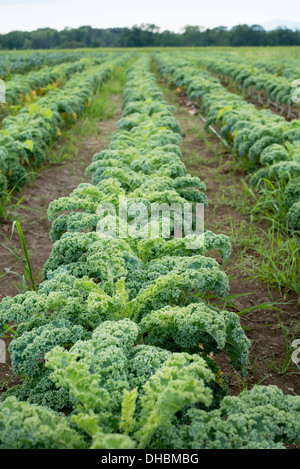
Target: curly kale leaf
{"x":197,"y":328}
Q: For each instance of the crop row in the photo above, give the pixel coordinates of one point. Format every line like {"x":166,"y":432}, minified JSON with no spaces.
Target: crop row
{"x":262,"y":86}
{"x":278,"y":65}
{"x":24,"y":137}
{"x":21,"y":85}
{"x":15,"y":62}
{"x":265,"y":143}
{"x":117,"y":348}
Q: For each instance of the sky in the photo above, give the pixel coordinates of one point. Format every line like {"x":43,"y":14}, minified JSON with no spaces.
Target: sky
{"x":28,"y":15}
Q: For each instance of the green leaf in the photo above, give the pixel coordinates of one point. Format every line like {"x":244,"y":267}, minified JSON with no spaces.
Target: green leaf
{"x":222,"y":111}
{"x":47,"y":113}
{"x":29,"y":145}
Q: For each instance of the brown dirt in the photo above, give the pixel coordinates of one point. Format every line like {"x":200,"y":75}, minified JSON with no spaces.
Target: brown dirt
{"x":261,"y":326}
{"x":52,"y":182}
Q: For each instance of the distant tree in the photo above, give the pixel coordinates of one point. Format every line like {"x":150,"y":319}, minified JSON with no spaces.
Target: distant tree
{"x":148,"y":35}
{"x":240,"y":35}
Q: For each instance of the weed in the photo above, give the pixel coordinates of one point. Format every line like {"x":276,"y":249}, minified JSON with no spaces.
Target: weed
{"x":28,"y":280}
{"x":279,"y":261}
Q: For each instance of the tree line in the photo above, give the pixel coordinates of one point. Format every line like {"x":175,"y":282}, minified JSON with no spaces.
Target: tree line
{"x":148,"y":35}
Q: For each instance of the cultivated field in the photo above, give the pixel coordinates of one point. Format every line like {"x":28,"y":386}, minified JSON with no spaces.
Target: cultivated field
{"x":121,"y":324}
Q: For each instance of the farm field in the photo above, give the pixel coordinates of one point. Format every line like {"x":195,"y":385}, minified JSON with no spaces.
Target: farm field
{"x":134,"y":341}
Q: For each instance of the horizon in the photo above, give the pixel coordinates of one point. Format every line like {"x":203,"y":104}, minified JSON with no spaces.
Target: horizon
{"x":159,"y":29}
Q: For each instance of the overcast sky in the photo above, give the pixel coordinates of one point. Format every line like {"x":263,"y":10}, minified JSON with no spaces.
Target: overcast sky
{"x":28,"y":15}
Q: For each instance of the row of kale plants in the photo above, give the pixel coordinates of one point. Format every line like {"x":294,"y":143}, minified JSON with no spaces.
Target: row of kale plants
{"x":25,"y":136}
{"x":12,"y":63}
{"x":22,"y":85}
{"x":279,"y":63}
{"x":264,"y":87}
{"x":266,"y":144}
{"x":117,"y":348}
